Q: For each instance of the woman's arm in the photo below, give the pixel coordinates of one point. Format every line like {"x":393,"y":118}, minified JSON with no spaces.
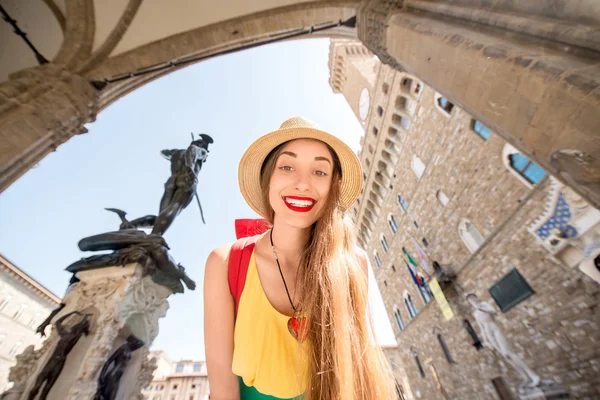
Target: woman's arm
{"x":218,"y":327}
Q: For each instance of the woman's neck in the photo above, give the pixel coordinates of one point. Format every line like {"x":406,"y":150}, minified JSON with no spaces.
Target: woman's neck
{"x":289,"y":242}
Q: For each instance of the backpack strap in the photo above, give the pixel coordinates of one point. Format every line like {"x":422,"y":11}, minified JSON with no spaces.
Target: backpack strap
{"x":239,"y":259}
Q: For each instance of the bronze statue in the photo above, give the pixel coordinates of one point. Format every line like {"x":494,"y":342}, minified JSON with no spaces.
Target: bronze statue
{"x":180,"y":188}
{"x":113,"y":369}
{"x":68,"y":339}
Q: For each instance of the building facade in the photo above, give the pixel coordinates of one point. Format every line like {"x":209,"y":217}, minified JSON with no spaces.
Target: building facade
{"x":447,"y":200}
{"x":182,"y":380}
{"x":24,"y":304}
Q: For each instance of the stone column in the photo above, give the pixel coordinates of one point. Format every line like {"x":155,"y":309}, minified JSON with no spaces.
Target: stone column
{"x":40,"y":109}
{"x":531,"y":75}
{"x":122,"y":303}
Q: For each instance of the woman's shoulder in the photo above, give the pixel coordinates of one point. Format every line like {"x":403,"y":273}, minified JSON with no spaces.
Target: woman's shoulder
{"x":219,"y":254}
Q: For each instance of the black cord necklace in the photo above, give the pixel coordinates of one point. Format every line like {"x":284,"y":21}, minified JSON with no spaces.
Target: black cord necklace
{"x":281,"y":272}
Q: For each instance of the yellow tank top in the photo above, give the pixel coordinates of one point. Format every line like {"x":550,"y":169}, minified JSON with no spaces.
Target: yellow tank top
{"x":266,"y":356}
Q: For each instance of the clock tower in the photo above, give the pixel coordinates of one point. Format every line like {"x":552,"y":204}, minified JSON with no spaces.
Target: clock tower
{"x":353,"y":72}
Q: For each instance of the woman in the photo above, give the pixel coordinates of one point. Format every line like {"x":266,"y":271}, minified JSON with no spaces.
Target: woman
{"x":301,"y":326}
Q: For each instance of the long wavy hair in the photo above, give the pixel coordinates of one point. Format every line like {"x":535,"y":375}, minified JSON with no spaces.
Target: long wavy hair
{"x":344,"y":361}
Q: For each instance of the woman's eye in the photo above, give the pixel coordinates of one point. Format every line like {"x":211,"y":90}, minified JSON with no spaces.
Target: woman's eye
{"x":285,"y":168}
{"x":321,"y":173}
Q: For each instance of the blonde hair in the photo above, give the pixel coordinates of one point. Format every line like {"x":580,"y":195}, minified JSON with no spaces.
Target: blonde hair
{"x":344,"y":361}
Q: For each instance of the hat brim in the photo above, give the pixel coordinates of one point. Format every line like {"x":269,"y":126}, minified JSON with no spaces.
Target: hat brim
{"x":254,"y":157}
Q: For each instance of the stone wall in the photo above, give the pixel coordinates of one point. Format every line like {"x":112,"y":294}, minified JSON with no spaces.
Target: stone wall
{"x":555,"y":330}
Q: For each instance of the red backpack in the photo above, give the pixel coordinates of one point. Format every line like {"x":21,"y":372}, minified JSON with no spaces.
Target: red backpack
{"x":247,"y":232}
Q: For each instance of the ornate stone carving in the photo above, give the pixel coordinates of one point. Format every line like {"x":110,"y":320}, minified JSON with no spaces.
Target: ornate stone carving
{"x":372,"y":27}
{"x":144,"y":375}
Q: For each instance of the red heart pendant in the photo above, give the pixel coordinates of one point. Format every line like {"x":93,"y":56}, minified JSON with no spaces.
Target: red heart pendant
{"x":298,"y":328}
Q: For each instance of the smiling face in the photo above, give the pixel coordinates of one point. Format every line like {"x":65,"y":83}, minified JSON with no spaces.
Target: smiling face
{"x":300,"y":184}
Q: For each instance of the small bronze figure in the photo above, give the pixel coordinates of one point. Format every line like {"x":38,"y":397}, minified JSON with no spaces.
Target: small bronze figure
{"x":113,"y":369}
{"x":68,"y":339}
{"x":180,"y":188}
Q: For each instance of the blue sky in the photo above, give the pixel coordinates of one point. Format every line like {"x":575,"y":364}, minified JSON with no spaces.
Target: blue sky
{"x":235,"y":99}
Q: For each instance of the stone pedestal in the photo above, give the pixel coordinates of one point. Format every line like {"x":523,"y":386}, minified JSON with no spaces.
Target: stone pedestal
{"x":122,"y":302}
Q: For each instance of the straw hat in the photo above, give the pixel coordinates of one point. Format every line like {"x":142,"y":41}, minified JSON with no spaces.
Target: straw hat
{"x":296,"y":128}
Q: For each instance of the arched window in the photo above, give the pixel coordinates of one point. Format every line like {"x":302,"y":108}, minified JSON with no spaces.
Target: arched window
{"x":19,"y":312}
{"x":470,"y":235}
{"x":398,"y":318}
{"x":384,"y":244}
{"x":522,"y":167}
{"x":525,"y":167}
{"x":441,"y":196}
{"x":385,"y":88}
{"x":481,"y":129}
{"x":402,"y":202}
{"x":443,"y":104}
{"x":380,"y":111}
{"x":417,"y":166}
{"x":5,"y":302}
{"x":410,"y":305}
{"x":377,"y":259}
{"x":375,"y":130}
{"x":15,"y":349}
{"x":393,"y":224}
{"x":424,"y":288}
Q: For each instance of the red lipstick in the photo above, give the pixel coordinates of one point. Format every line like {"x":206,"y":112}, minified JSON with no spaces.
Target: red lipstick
{"x":299,"y":208}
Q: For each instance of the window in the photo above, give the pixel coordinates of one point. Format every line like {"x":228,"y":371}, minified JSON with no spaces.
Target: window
{"x":191,"y":397}
{"x":425,"y":243}
{"x":393,"y":268}
{"x":400,"y":121}
{"x":481,"y":129}
{"x":33,"y":321}
{"x":5,"y":302}
{"x":445,"y":349}
{"x":398,"y":318}
{"x":470,"y":235}
{"x":410,"y":305}
{"x":424,"y":288}
{"x":511,"y":290}
{"x":526,"y":171}
{"x":444,"y":105}
{"x":529,"y":170}
{"x":193,"y":386}
{"x":197,"y":367}
{"x":380,"y":111}
{"x":419,"y":365}
{"x":385,"y":88}
{"x":393,"y":224}
{"x":175,"y":387}
{"x":179,"y":368}
{"x":384,"y":244}
{"x":149,"y":387}
{"x":19,"y":312}
{"x":441,"y":196}
{"x":417,"y":166}
{"x":385,"y":283}
{"x":416,"y":224}
{"x":15,"y":349}
{"x":402,"y":202}
{"x":375,"y":130}
{"x":377,"y":259}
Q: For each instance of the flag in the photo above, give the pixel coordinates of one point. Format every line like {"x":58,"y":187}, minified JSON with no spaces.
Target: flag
{"x":410,"y":259}
{"x":416,"y":279}
{"x":423,"y":258}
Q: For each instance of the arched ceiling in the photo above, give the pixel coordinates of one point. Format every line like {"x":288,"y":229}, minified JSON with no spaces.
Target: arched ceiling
{"x":36,"y":19}
{"x":157,"y":19}
{"x":154,"y":20}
